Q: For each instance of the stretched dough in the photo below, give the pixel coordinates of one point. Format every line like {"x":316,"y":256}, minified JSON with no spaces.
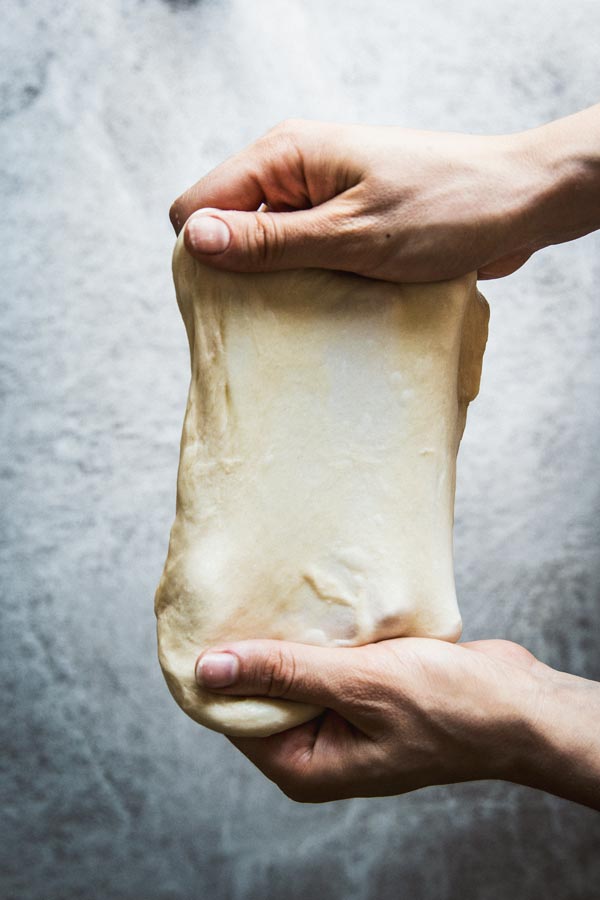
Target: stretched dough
{"x":315,"y":493}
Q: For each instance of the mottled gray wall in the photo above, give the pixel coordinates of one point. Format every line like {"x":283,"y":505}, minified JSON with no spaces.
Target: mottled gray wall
{"x":109,"y":110}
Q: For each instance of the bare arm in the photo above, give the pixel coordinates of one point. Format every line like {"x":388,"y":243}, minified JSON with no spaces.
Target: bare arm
{"x":561,"y":746}
{"x":565,"y":163}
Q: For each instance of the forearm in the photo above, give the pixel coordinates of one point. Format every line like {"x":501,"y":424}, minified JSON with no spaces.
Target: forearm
{"x":563,"y":158}
{"x":560,"y":744}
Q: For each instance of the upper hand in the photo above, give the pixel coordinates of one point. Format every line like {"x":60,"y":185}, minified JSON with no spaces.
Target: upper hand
{"x":384,"y":202}
{"x":401,"y":714}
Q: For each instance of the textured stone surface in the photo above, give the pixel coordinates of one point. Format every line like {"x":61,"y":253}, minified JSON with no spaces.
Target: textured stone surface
{"x":107,"y":111}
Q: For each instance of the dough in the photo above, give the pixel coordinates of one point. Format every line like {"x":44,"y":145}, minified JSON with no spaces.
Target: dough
{"x":315,"y":493}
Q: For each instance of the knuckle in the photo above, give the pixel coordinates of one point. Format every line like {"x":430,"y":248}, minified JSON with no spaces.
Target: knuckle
{"x":306,"y":792}
{"x":292,"y":787}
{"x":302,"y":783}
{"x":283,"y":141}
{"x":289,"y":126}
{"x":278,"y":673}
{"x":175,"y":214}
{"x":296,"y":793}
{"x":266,"y":242}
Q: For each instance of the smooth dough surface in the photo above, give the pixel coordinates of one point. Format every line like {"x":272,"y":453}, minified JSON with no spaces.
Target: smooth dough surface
{"x":315,"y":494}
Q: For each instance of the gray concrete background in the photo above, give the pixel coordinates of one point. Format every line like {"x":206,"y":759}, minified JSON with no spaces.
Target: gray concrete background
{"x":108,"y":111}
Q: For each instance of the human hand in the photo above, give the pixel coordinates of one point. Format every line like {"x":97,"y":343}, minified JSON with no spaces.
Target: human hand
{"x":385,"y":202}
{"x":395,"y":203}
{"x":406,"y":713}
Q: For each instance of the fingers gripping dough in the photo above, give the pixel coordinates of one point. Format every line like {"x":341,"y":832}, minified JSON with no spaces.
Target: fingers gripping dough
{"x":315,"y":494}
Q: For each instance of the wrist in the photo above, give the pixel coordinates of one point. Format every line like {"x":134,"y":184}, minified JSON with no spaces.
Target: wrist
{"x":559,"y":165}
{"x":508,"y":738}
{"x":497,"y":712}
{"x":558,"y":747}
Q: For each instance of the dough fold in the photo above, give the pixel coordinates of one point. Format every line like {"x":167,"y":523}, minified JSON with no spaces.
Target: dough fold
{"x":315,"y":493}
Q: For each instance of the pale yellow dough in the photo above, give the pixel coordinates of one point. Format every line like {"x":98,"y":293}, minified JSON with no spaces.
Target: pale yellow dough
{"x":315,"y":494}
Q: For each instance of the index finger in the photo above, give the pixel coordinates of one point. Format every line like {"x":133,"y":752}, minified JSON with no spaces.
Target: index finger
{"x":234,"y":184}
{"x":268,"y":170}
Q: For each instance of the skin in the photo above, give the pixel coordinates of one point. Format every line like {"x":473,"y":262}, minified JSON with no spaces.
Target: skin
{"x":412,"y":712}
{"x":398,"y":204}
{"x":404,"y":205}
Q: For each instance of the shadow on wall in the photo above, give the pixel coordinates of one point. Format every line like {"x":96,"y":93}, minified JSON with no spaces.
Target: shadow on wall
{"x":181,"y":4}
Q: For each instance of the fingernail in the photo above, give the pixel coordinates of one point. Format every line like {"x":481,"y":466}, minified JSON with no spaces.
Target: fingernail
{"x":217,"y":670}
{"x":207,"y":234}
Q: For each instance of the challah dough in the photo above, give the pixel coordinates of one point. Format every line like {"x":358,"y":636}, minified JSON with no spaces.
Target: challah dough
{"x":315,"y":493}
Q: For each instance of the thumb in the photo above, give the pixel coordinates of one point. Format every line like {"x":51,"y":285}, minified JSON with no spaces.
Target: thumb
{"x":268,"y":241}
{"x":323,"y":676}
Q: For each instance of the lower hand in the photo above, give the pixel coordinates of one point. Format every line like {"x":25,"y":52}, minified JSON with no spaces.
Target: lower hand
{"x":401,"y":714}
{"x":411,"y":712}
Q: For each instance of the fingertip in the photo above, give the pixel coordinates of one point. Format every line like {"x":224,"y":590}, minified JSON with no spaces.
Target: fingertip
{"x":174,"y":217}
